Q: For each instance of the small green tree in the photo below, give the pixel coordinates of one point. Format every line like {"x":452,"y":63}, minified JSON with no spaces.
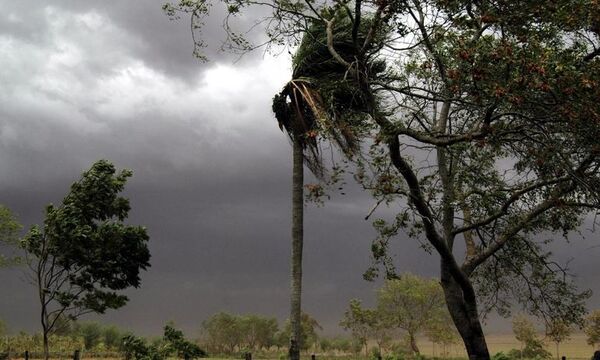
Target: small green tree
{"x":558,"y":331}
{"x":523,"y":329}
{"x":359,"y":322}
{"x":223,"y":332}
{"x":525,"y":333}
{"x":409,"y":303}
{"x":112,"y":337}
{"x":258,"y":332}
{"x":592,"y":328}
{"x":84,"y":253}
{"x":181,"y":347}
{"x":365,"y":324}
{"x":325,"y":344}
{"x":90,"y":332}
{"x":341,"y":344}
{"x":173,"y":343}
{"x":443,"y":332}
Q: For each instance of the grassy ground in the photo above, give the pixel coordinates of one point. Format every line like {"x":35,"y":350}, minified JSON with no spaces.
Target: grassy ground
{"x":575,"y":348}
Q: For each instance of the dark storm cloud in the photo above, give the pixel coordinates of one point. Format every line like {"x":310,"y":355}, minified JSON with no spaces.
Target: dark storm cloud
{"x":141,"y":26}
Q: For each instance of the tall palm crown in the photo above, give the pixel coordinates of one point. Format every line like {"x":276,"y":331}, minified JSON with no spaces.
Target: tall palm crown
{"x":324,"y":99}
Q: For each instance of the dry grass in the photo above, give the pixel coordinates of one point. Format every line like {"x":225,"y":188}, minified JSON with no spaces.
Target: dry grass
{"x":575,"y":348}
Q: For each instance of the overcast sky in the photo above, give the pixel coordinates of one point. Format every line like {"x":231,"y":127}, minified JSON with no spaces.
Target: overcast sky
{"x":88,"y":80}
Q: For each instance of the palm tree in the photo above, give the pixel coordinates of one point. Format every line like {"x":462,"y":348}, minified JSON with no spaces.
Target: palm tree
{"x":298,"y":129}
{"x":320,"y":103}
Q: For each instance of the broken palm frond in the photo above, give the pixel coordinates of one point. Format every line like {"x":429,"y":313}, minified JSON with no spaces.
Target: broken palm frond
{"x":323,"y":99}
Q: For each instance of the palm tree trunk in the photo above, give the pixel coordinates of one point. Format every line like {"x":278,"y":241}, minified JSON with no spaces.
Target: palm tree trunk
{"x":297,"y":244}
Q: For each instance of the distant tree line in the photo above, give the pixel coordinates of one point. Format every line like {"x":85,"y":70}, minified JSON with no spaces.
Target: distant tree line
{"x":225,"y":333}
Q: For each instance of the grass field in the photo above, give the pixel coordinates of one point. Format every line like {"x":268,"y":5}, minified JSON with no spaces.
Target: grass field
{"x":575,"y":348}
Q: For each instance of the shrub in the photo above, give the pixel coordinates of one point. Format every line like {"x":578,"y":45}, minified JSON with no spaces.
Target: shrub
{"x":501,"y":356}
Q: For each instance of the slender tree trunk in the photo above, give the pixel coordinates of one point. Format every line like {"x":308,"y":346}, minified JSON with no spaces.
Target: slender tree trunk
{"x":297,"y":243}
{"x":44,"y":317}
{"x":413,"y":344}
{"x":465,"y":317}
{"x":46,"y":346}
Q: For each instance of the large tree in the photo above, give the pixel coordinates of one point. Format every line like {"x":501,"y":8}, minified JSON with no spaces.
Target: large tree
{"x":84,"y":253}
{"x":482,"y":120}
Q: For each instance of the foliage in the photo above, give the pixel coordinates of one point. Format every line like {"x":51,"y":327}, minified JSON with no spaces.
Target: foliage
{"x":34,"y":344}
{"x":172,"y":343}
{"x":412,"y":304}
{"x":592,"y":328}
{"x":112,"y":337}
{"x":442,"y":331}
{"x":359,"y":322}
{"x":9,"y":236}
{"x":341,"y":344}
{"x":523,"y":329}
{"x":135,"y":348}
{"x":532,"y":350}
{"x":558,"y":331}
{"x":90,"y":332}
{"x":224,"y":333}
{"x":308,"y":331}
{"x":84,"y":253}
{"x":259,"y":332}
{"x":63,"y":325}
{"x":321,"y":100}
{"x":501,"y":356}
{"x":180,"y":346}
{"x":526,"y":334}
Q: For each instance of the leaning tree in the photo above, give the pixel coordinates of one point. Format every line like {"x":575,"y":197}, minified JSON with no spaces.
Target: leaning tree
{"x":479,"y":122}
{"x":84,"y":253}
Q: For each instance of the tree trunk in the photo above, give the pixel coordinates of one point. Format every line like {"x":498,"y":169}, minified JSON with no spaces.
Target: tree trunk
{"x":46,"y":346}
{"x":465,"y":317}
{"x":297,"y":243}
{"x":413,"y":344}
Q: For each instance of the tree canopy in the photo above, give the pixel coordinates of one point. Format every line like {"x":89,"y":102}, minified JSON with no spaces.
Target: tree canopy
{"x":85,"y":253}
{"x":412,"y":304}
